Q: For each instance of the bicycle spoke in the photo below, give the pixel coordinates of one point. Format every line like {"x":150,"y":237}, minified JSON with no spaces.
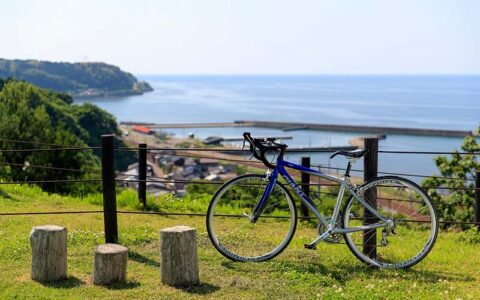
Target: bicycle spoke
{"x":401,"y":245}
{"x":258,"y":240}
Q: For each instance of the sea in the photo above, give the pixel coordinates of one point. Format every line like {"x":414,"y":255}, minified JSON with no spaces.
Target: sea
{"x":420,"y":101}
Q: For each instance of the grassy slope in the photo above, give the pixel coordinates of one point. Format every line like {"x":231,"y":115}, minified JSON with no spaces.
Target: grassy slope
{"x":450,"y":271}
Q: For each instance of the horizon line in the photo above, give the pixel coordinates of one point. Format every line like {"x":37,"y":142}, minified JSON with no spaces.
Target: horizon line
{"x":306,"y":74}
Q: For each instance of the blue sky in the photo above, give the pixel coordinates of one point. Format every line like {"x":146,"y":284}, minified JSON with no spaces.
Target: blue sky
{"x":249,"y":36}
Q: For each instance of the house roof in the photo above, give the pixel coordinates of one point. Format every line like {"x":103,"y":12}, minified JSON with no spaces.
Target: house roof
{"x":142,"y":129}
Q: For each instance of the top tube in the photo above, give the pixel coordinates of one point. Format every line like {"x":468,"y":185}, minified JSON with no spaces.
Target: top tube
{"x":282,"y":164}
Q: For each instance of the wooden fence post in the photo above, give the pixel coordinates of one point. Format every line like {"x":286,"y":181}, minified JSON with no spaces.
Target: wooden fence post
{"x":109,"y":194}
{"x":370,"y":169}
{"x":305,"y":184}
{"x":477,"y":199}
{"x":142,"y":174}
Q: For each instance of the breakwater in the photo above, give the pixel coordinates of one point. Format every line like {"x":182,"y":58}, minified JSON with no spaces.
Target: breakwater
{"x":290,"y":126}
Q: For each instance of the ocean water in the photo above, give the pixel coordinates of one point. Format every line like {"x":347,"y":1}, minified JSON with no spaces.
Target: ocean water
{"x":443,"y":102}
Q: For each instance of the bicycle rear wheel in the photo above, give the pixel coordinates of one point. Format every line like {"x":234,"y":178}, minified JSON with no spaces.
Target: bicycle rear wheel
{"x":413,"y":231}
{"x":231,"y":231}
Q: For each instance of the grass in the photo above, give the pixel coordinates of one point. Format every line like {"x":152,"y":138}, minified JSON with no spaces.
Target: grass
{"x":332,"y":272}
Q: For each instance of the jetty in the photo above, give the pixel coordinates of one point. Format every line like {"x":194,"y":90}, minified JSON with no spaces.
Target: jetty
{"x":216,"y":140}
{"x":290,"y":126}
{"x":322,"y":149}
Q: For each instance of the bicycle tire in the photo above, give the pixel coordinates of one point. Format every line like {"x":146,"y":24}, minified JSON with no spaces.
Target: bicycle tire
{"x":416,"y":228}
{"x":229,"y":243}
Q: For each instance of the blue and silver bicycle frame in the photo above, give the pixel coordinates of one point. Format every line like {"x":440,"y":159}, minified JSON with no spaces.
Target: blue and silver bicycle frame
{"x":344,"y":185}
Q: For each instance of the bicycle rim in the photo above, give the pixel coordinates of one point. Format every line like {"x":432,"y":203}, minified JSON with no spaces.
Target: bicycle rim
{"x":414,"y":230}
{"x":234,"y":235}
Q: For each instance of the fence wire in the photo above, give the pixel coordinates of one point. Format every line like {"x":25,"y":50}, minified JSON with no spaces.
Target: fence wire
{"x":179,"y":152}
{"x":49,"y":168}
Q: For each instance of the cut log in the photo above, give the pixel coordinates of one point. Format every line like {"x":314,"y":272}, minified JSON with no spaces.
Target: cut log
{"x":49,"y":253}
{"x":110,"y":264}
{"x":178,"y":256}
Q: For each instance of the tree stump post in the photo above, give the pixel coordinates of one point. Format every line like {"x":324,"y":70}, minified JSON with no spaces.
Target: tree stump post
{"x":110,"y":264}
{"x":178,"y":256}
{"x":49,"y":253}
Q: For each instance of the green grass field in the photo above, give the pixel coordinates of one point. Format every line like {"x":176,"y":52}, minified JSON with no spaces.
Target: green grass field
{"x":451,"y":271}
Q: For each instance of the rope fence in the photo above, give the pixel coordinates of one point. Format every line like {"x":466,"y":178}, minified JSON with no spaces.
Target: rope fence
{"x":49,"y":149}
{"x":222,"y":150}
{"x":127,"y":212}
{"x":109,"y":183}
{"x":49,"y":168}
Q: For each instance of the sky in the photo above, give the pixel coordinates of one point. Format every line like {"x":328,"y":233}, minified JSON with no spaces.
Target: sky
{"x":248,"y":36}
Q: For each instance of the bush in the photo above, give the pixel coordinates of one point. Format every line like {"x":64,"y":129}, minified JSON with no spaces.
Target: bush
{"x":456,"y":204}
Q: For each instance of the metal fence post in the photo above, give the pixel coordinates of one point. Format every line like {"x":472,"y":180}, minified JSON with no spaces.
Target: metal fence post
{"x":142,"y":174}
{"x":370,"y":167}
{"x":319,"y":182}
{"x":305,"y":184}
{"x":477,"y":199}
{"x":109,"y":194}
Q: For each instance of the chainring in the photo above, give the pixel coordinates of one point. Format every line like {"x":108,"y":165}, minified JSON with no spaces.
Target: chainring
{"x":334,"y":237}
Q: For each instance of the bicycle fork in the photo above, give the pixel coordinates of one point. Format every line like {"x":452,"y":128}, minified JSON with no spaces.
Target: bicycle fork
{"x":257,"y":211}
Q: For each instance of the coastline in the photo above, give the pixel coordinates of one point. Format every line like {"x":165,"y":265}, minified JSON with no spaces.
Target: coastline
{"x":109,"y":94}
{"x":134,"y":139}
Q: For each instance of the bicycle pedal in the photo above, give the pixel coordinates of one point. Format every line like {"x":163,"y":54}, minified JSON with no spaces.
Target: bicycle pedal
{"x":310,"y":247}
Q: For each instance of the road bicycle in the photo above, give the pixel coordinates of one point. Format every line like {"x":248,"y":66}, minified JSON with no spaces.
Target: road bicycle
{"x":386,"y":222}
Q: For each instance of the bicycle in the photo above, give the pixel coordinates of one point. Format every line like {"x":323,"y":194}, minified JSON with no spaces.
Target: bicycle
{"x":253,"y":217}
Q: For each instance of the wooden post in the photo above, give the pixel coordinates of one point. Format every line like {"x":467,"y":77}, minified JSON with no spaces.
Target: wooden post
{"x":49,"y":253}
{"x":142,"y":174}
{"x":178,"y":256}
{"x":477,"y":199}
{"x":370,"y":167}
{"x":110,"y":264}
{"x":305,"y":184}
{"x":109,"y":194}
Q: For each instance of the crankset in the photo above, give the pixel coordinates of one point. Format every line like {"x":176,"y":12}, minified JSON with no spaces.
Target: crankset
{"x":334,"y":237}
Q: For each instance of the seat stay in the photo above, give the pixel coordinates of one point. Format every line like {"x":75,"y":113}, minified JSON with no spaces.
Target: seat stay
{"x":369,"y":207}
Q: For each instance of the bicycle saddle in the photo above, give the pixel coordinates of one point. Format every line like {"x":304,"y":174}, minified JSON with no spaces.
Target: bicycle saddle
{"x":353,"y":154}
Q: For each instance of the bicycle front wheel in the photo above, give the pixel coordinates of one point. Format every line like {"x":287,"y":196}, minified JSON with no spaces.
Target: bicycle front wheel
{"x":413,"y":230}
{"x":234,"y":235}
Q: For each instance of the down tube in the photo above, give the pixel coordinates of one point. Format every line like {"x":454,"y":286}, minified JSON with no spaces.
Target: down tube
{"x":305,"y":199}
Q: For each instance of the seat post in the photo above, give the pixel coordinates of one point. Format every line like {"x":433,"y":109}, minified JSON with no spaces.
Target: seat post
{"x":349,"y":166}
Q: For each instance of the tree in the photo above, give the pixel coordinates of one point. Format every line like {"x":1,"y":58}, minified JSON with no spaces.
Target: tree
{"x":35,"y":115}
{"x":30,"y":114}
{"x":97,"y":122}
{"x":456,"y":203}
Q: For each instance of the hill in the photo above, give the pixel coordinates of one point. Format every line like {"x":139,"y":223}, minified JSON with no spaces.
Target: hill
{"x":76,"y":79}
{"x":31,"y":117}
